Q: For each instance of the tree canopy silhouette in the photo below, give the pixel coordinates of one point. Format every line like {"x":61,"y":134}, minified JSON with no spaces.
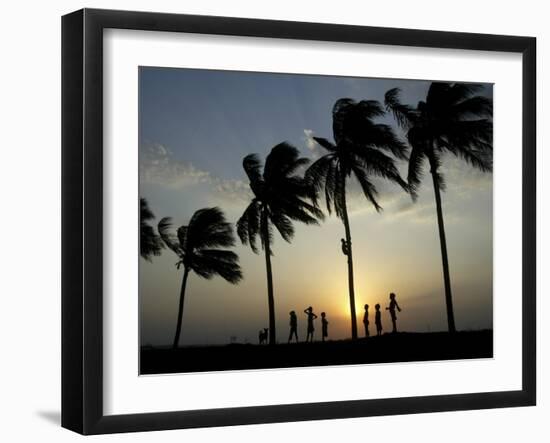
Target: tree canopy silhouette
{"x":362,"y":148}
{"x":150,"y":243}
{"x":198,"y":246}
{"x":452,"y":119}
{"x":281,"y":196}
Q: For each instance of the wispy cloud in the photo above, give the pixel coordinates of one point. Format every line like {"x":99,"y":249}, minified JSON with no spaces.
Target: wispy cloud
{"x":464,"y":186}
{"x":312,"y":146}
{"x":159,"y":167}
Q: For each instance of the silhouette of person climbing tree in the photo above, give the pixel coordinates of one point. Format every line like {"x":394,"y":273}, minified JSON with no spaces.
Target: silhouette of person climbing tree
{"x":345,"y":248}
{"x":310,"y":318}
{"x":393,"y":305}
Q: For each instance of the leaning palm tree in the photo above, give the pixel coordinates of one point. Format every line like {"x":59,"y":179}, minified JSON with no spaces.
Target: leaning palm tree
{"x":360,"y":149}
{"x":280,"y":197}
{"x":452,"y":119}
{"x":150,"y":243}
{"x":197,"y":246}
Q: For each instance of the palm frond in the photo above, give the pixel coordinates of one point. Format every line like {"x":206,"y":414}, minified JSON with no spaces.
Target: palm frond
{"x":253,"y":167}
{"x":266,"y":232}
{"x":369,"y":109}
{"x":339,"y":195}
{"x":330,"y":185}
{"x":470,"y":132}
{"x":352,"y":120}
{"x":319,"y":175}
{"x":208,"y":228}
{"x":383,"y":137}
{"x":437,"y":95}
{"x":377,"y":163}
{"x":325,"y":144}
{"x":248,"y":225}
{"x":434,"y":158}
{"x":284,"y":196}
{"x":405,"y":115}
{"x":296,"y":209}
{"x":210,"y":262}
{"x":145,"y":213}
{"x":458,"y":92}
{"x":478,"y":158}
{"x":150,"y":243}
{"x":476,"y":106}
{"x":339,"y":112}
{"x":182,"y":236}
{"x":415,"y":171}
{"x":283,"y":225}
{"x":368,"y":188}
{"x":282,"y":161}
{"x":164,"y":228}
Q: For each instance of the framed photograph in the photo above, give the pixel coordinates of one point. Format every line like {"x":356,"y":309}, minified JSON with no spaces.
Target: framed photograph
{"x":269,"y":221}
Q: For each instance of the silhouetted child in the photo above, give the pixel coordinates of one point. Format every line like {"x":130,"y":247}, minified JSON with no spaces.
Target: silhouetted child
{"x":293,"y":326}
{"x":393,"y":305}
{"x":324,"y":326}
{"x":366,"y":320}
{"x":378,"y":319}
{"x":310,"y":329}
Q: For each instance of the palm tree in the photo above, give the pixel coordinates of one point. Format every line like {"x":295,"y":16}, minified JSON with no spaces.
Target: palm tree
{"x":358,"y":150}
{"x":280,"y":197}
{"x":150,"y":243}
{"x":452,"y":119}
{"x":198,"y":247}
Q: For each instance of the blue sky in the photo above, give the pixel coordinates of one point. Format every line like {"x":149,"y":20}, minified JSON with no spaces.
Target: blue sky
{"x":242,"y":112}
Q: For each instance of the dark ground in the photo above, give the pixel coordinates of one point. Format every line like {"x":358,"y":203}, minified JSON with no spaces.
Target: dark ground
{"x":389,"y":348}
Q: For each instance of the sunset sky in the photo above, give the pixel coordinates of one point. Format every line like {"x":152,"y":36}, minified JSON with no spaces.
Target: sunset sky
{"x":195,"y":128}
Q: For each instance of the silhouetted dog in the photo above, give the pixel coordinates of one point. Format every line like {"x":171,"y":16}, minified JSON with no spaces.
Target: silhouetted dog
{"x":262,"y":335}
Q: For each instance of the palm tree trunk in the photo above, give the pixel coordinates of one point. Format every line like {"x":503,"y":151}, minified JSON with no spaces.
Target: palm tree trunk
{"x":180,"y":310}
{"x":350,"y":261}
{"x":444,"y":258}
{"x":270,"y":298}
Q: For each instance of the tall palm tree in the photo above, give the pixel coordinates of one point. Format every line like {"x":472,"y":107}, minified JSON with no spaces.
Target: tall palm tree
{"x":452,"y":119}
{"x":280,"y":197}
{"x":360,"y":149}
{"x":150,"y":243}
{"x":198,"y":247}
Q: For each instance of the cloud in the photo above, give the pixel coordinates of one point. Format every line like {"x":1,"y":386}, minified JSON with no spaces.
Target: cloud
{"x":310,"y":143}
{"x":465,"y":184}
{"x":313,"y":147}
{"x":157,"y":166}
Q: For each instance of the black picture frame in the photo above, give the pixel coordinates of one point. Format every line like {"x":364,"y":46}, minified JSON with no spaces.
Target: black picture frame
{"x":82,"y":219}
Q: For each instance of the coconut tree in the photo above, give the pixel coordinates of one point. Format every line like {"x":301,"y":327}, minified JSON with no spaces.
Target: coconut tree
{"x":453,"y":119}
{"x":198,"y":247}
{"x":363,"y":149}
{"x":281,"y":196}
{"x":150,"y":243}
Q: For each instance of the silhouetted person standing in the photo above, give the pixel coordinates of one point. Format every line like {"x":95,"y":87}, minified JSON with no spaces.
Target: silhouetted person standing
{"x":310,"y":329}
{"x":366,"y":320}
{"x":293,"y":326}
{"x":378,"y":319}
{"x":324,"y":326}
{"x":392,"y":307}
